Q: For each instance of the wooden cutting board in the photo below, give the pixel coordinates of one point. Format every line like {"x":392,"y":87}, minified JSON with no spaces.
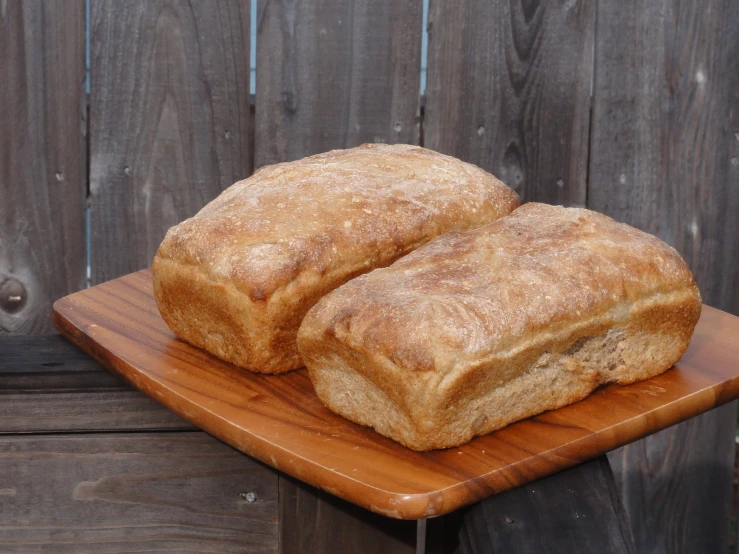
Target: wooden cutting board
{"x":279,"y":420}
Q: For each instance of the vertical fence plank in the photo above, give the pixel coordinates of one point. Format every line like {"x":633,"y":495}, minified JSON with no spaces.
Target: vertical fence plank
{"x":575,"y":511}
{"x":664,"y":125}
{"x":509,"y":90}
{"x":169,"y":113}
{"x":676,"y":485}
{"x":334,"y":74}
{"x":42,"y":160}
{"x":314,"y":521}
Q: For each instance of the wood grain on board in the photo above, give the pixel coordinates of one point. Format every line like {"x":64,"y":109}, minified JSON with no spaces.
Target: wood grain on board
{"x":169,"y":112}
{"x":335,"y":74}
{"x":279,"y":419}
{"x":141,"y":492}
{"x":509,"y":90}
{"x":576,"y":511}
{"x":663,"y":158}
{"x":42,"y":160}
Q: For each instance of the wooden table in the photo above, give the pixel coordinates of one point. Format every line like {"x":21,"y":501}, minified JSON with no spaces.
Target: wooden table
{"x":485,"y":496}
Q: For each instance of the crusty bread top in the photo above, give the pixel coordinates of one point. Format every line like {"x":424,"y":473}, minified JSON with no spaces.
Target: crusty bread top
{"x":316,"y":213}
{"x":466,"y":295}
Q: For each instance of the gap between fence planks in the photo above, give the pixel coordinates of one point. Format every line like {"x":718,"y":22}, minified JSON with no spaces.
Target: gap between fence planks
{"x":47,"y":385}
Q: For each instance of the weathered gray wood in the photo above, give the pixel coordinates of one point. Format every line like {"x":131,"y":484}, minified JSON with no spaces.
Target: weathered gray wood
{"x":509,"y":90}
{"x":49,"y":385}
{"x":42,"y":160}
{"x":314,"y":521}
{"x":677,"y":485}
{"x":179,"y":492}
{"x":73,"y":412}
{"x":729,"y":291}
{"x":169,"y":111}
{"x":575,"y":511}
{"x":50,"y":363}
{"x":665,"y":118}
{"x":335,"y":74}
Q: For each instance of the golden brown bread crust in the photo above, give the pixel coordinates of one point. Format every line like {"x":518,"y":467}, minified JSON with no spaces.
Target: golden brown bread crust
{"x":478,"y":329}
{"x":238,"y":278}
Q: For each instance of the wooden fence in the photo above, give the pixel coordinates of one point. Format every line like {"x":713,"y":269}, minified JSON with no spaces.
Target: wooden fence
{"x":627,"y":107}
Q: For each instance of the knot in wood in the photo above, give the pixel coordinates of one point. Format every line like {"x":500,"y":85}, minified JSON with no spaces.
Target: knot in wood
{"x":289,"y":101}
{"x":512,"y":171}
{"x":13,"y":295}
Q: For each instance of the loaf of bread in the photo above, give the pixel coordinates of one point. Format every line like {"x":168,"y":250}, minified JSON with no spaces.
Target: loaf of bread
{"x":478,"y":329}
{"x":238,"y":278}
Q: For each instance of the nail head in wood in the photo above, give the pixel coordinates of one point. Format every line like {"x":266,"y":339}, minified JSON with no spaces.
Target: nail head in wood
{"x":13,"y":295}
